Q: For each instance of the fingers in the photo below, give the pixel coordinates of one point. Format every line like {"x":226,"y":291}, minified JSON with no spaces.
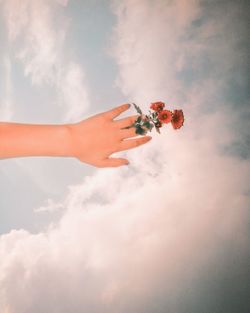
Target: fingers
{"x":133,"y":143}
{"x":127,"y":121}
{"x":127,"y":133}
{"x":117,"y":111}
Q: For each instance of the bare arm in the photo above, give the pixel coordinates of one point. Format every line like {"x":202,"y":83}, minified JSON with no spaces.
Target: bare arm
{"x":90,"y":141}
{"x":22,"y":140}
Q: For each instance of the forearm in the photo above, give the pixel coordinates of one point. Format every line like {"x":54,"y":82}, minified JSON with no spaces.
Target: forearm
{"x":22,"y":140}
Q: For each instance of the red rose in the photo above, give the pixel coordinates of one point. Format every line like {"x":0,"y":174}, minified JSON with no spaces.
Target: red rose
{"x":157,"y":106}
{"x":177,"y":119}
{"x":165,"y":116}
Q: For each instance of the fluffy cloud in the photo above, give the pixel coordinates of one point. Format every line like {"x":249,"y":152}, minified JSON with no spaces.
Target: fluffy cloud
{"x":167,"y":232}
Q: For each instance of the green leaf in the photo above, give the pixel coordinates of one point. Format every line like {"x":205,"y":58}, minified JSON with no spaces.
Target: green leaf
{"x":137,"y":108}
{"x":148,"y":125}
{"x":140,"y":130}
{"x":138,"y":119}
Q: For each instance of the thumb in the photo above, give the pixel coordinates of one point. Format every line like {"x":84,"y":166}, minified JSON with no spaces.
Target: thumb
{"x":114,"y":162}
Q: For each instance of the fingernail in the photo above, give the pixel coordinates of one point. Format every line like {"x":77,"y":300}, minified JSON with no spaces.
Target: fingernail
{"x":125,"y":105}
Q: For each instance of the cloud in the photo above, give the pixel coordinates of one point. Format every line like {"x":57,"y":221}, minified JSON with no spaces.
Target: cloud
{"x":169,"y":232}
{"x":136,"y":29}
{"x":6,"y":107}
{"x":51,"y":207}
{"x":113,"y":246}
{"x":38,"y":30}
{"x":72,"y":94}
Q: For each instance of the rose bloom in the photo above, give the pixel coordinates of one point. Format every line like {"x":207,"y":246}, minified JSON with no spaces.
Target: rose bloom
{"x":165,"y":116}
{"x":157,"y":106}
{"x":177,"y":119}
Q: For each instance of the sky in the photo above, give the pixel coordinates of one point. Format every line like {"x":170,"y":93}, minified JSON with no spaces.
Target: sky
{"x":170,"y":232}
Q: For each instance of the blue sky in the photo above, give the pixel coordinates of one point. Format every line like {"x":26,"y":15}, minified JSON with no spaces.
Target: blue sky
{"x":168,"y":233}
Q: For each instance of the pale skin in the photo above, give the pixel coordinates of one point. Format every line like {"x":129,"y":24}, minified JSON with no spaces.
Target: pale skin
{"x":91,"y":140}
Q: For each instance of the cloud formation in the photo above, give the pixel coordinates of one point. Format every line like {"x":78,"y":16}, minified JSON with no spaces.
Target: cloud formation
{"x":165,"y":233}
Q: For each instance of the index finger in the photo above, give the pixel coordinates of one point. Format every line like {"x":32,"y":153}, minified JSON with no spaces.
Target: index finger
{"x":117,"y":110}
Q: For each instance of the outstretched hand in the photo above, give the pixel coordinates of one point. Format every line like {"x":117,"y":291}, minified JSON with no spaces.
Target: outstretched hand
{"x":94,"y":139}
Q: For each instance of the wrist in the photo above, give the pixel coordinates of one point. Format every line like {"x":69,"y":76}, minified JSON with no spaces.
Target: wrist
{"x":70,"y":135}
{"x":66,"y":134}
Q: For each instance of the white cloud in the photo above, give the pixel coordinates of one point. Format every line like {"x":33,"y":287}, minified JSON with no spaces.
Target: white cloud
{"x":72,"y":94}
{"x":152,"y":34}
{"x":42,"y":40}
{"x":37,"y":30}
{"x":123,"y":246}
{"x":136,"y":239}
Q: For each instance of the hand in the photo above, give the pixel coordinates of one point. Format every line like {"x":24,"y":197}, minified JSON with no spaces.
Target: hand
{"x":95,"y":138}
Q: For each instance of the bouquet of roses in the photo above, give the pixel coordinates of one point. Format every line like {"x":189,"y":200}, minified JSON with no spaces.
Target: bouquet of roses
{"x":157,"y":118}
